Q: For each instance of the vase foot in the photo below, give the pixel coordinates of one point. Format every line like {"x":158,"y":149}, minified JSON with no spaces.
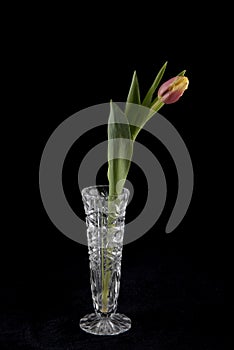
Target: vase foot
{"x":111,"y":325}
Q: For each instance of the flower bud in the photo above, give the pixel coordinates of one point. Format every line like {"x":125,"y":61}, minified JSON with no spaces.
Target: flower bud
{"x":173,"y":89}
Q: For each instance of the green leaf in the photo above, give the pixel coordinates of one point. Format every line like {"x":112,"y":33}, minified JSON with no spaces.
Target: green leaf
{"x":120,"y":148}
{"x":134,"y":91}
{"x":136,"y":113}
{"x":182,"y":73}
{"x":151,"y":91}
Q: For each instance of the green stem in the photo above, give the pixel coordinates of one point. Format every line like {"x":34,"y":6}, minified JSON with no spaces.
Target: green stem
{"x":106,"y":273}
{"x":156,"y":105}
{"x":103,"y":309}
{"x":105,"y":291}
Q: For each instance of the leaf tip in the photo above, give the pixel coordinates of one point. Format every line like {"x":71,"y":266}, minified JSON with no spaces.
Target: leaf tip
{"x":182,"y":73}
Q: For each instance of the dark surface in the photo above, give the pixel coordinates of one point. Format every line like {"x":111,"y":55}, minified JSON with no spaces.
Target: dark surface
{"x":174,"y":296}
{"x":172,"y":286}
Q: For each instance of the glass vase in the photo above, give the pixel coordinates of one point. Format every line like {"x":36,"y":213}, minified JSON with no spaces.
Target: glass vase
{"x":105,"y":220}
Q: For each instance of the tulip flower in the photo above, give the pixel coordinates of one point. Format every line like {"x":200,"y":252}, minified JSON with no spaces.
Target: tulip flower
{"x":173,"y":89}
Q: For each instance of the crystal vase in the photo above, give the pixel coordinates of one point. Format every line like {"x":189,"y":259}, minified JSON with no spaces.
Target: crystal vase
{"x":105,"y":220}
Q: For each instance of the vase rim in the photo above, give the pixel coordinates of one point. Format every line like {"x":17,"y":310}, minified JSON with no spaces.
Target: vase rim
{"x":87,"y":190}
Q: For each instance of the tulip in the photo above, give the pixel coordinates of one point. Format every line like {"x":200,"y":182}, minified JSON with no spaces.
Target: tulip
{"x":173,"y":89}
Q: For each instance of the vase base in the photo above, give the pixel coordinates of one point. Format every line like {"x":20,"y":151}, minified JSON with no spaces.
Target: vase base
{"x":111,"y":325}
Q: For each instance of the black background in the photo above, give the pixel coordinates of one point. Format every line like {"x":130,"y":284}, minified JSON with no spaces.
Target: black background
{"x":172,"y":286}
